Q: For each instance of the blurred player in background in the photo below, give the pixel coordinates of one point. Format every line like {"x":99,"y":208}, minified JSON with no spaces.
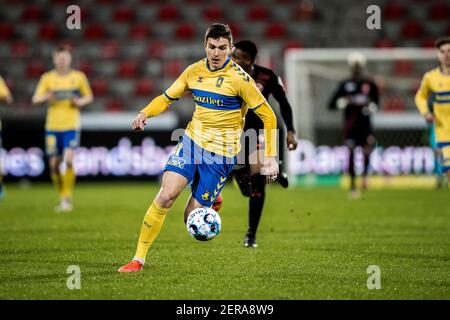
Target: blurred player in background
{"x":433,"y":101}
{"x":222,"y":93}
{"x":65,"y":91}
{"x":358,"y":97}
{"x":5,"y":97}
{"x":248,"y":176}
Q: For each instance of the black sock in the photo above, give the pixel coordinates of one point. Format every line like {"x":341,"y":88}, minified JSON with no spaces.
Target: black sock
{"x":256,"y":203}
{"x":351,"y":169}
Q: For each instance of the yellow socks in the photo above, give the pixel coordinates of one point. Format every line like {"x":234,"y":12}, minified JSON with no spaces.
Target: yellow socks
{"x":68,"y":183}
{"x":56,"y":179}
{"x":153,"y":221}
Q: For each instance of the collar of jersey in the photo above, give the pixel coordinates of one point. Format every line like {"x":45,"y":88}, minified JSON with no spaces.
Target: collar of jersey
{"x":224,"y":65}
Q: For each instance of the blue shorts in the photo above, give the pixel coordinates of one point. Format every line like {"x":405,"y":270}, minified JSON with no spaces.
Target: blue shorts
{"x":445,"y":155}
{"x":57,"y":141}
{"x":205,"y":171}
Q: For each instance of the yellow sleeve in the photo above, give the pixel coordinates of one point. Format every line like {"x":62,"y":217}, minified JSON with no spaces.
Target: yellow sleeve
{"x":42,"y":87}
{"x":422,"y":95}
{"x":157,"y":106}
{"x":85,"y":88}
{"x":266,"y":114}
{"x":4,"y":91}
{"x":250,"y":93}
{"x":179,"y":87}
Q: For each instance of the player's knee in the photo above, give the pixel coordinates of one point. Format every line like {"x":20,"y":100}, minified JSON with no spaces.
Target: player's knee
{"x":166,"y":197}
{"x":258,"y":186}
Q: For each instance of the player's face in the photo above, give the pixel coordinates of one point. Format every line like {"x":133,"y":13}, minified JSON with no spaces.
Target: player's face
{"x":241,"y":58}
{"x":62,"y":60}
{"x":217,"y":51}
{"x":444,"y":54}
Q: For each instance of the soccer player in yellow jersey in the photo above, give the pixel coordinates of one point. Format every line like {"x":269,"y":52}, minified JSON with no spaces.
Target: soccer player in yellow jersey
{"x":433,"y":101}
{"x":65,"y":91}
{"x":206,"y":154}
{"x":5,"y":97}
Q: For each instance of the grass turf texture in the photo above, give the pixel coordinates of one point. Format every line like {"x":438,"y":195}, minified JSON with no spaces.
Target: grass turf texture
{"x":313,"y":244}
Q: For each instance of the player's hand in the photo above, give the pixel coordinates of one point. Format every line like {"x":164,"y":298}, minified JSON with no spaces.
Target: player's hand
{"x":77,"y":101}
{"x":429,"y":117}
{"x":291,"y":141}
{"x":139,"y":122}
{"x":50,"y":97}
{"x":270,"y":169}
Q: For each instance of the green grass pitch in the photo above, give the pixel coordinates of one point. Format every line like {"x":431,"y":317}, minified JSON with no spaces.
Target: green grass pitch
{"x":313,"y":244}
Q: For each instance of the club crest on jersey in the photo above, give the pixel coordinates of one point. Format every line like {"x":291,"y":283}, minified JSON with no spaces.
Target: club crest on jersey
{"x":206,"y":195}
{"x":219,"y":82}
{"x":200,"y":79}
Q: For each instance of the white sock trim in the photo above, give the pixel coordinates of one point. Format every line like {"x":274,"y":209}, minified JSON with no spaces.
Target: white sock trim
{"x":139,"y":260}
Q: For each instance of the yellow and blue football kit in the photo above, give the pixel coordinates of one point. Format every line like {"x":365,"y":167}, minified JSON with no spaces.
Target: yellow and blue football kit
{"x":63,"y":117}
{"x":434,"y":96}
{"x":4,"y":92}
{"x":207,"y":153}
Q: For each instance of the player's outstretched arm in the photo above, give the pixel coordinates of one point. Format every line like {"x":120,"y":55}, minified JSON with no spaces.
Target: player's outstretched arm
{"x":270,"y":166}
{"x":421,"y":100}
{"x":154,"y":108}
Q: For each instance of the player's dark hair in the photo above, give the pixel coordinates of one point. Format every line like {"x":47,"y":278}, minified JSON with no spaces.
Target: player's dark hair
{"x":248,"y":47}
{"x":219,"y":30}
{"x":441,"y":41}
{"x":63,"y":48}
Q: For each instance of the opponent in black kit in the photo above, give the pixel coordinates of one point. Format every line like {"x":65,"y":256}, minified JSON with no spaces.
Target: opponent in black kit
{"x":358,"y":97}
{"x":248,"y":176}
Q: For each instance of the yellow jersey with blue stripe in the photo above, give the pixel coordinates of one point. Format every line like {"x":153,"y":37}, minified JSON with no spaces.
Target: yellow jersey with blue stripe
{"x":4,"y":92}
{"x":62,"y":114}
{"x":222,"y":98}
{"x":434,"y":96}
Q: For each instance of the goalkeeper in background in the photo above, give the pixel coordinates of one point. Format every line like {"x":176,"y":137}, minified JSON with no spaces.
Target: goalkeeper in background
{"x":433,"y":101}
{"x":65,"y":91}
{"x":5,"y":97}
{"x":358,"y":97}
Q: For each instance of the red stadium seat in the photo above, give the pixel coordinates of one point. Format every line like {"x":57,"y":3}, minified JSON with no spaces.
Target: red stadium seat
{"x":19,"y":49}
{"x":144,"y":87}
{"x":173,"y":68}
{"x":123,"y":14}
{"x":184,"y":31}
{"x":100,"y":87}
{"x":305,"y":11}
{"x":402,"y":67}
{"x":48,"y":32}
{"x":412,"y":29}
{"x":128,"y":69}
{"x":156,"y":49}
{"x":213,"y":13}
{"x":439,"y":11}
{"x":110,"y":49}
{"x":257,"y":13}
{"x":235,"y":29}
{"x":94,"y":32}
{"x":32,"y":13}
{"x":394,"y":104}
{"x":169,"y":12}
{"x":6,"y":31}
{"x":139,"y":31}
{"x":86,"y":67}
{"x":384,"y":43}
{"x":275,"y":31}
{"x":35,"y":69}
{"x":114,"y":105}
{"x":428,"y":43}
{"x":293,"y":44}
{"x":393,"y":11}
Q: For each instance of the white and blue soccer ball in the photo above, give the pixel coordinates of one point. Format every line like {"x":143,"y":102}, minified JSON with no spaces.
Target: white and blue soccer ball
{"x":203,"y":224}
